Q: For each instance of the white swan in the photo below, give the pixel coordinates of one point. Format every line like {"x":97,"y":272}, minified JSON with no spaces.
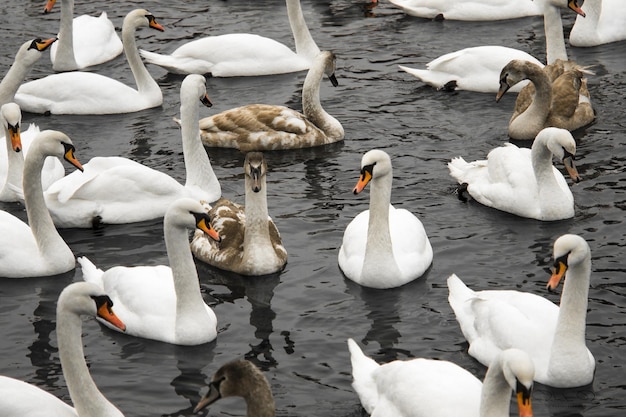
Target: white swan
{"x":84,"y":41}
{"x":170,"y":308}
{"x":553,"y":336}
{"x":523,"y":181}
{"x":12,"y":155}
{"x":264,"y":127}
{"x":251,"y":243}
{"x":36,"y":249}
{"x":560,"y":97}
{"x":478,"y":68}
{"x":22,"y":399}
{"x":383,"y":247}
{"x":242,"y":54}
{"x":25,"y":58}
{"x":473,"y":10}
{"x":80,"y":92}
{"x":115,"y":190}
{"x":604,"y":23}
{"x":436,"y":388}
{"x":241,"y":378}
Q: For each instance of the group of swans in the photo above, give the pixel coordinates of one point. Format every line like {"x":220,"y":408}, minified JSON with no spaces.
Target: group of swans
{"x":250,"y":242}
{"x":383,"y":247}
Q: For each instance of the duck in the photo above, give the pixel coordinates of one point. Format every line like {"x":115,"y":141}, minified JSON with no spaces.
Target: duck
{"x":481,"y":10}
{"x":23,"y":399}
{"x":602,"y":24}
{"x":563,"y":102}
{"x":478,"y":68}
{"x":553,"y":336}
{"x":12,"y":155}
{"x":84,"y":41}
{"x":264,"y":127}
{"x":117,"y":190}
{"x":523,"y":181}
{"x":81,"y":92}
{"x":171,"y":308}
{"x":36,"y":249}
{"x":423,"y":387}
{"x":251,"y":243}
{"x":25,"y":59}
{"x":241,"y":378}
{"x":242,"y":54}
{"x":383,"y":247}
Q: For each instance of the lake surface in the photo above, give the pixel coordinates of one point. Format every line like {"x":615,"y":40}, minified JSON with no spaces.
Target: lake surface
{"x":294,"y":325}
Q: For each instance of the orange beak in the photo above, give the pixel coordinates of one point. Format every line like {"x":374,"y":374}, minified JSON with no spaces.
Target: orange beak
{"x":524,"y":405}
{"x":49,"y":6}
{"x":69,"y":157}
{"x":106,"y":313}
{"x":573,"y":4}
{"x":557,"y":276}
{"x":365,"y":178}
{"x":16,"y":139}
{"x":571,"y":169}
{"x":207,"y":228}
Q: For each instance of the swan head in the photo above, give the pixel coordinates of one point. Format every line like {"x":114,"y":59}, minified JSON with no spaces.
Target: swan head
{"x":85,"y":298}
{"x":562,"y":145}
{"x":519,"y":370}
{"x":515,"y":71}
{"x":569,"y":250}
{"x":374,"y":164}
{"x":255,"y":168}
{"x":142,"y":18}
{"x":31,"y":50}
{"x":240,"y":378}
{"x":190,"y":214}
{"x":195,"y":84}
{"x":55,"y":143}
{"x":330,"y":64}
{"x":11,"y":115}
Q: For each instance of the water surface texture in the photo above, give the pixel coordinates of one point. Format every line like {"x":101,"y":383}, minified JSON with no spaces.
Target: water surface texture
{"x":294,"y":325}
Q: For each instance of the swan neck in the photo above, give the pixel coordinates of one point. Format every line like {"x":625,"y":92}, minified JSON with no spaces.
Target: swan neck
{"x":555,"y":40}
{"x":64,"y":59}
{"x":311,"y":105}
{"x":495,"y":396}
{"x":260,"y":403}
{"x":189,"y":302}
{"x":305,"y":45}
{"x":15,"y":76}
{"x":87,"y":399}
{"x":257,"y":218}
{"x":534,"y":117}
{"x":143,"y":79}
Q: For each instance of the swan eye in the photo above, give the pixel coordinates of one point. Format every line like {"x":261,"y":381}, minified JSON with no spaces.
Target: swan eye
{"x":35,"y":44}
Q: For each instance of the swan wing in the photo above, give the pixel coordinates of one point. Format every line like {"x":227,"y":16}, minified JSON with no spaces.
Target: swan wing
{"x":22,"y":399}
{"x":352,"y":251}
{"x":411,"y":247}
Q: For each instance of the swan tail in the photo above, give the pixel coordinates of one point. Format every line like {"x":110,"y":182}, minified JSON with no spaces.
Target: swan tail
{"x":457,"y":167}
{"x":363,"y":376}
{"x":432,"y":78}
{"x":91,"y":273}
{"x":177,"y":64}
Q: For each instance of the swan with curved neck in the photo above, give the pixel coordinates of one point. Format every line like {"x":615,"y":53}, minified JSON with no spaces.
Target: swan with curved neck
{"x":25,"y":58}
{"x":603,"y":23}
{"x":521,"y":181}
{"x":436,"y":388}
{"x":23,"y":399}
{"x":79,"y":92}
{"x":242,"y":54}
{"x":560,"y":103}
{"x":264,"y":127}
{"x":251,"y":243}
{"x":241,"y":378}
{"x":553,"y":336}
{"x":36,"y":249}
{"x":84,"y":41}
{"x":97,"y":198}
{"x":383,"y":247}
{"x":171,"y":308}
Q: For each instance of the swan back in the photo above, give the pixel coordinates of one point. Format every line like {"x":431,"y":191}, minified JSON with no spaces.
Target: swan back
{"x":241,"y":378}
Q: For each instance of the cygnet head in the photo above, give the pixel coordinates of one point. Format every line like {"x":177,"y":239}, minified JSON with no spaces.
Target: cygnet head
{"x":515,"y":71}
{"x":569,"y":250}
{"x":255,"y":168}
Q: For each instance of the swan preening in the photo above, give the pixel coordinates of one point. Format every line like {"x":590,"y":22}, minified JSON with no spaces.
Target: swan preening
{"x":560,"y":98}
{"x":116,"y":190}
{"x":242,"y":54}
{"x":78,"y":92}
{"x":259,"y":127}
{"x":523,"y":181}
{"x":22,"y":399}
{"x":163,"y":302}
{"x":471,"y":10}
{"x":36,"y":249}
{"x":251,"y":243}
{"x":25,"y":58}
{"x":553,"y":336}
{"x":241,"y":378}
{"x":437,"y":388}
{"x":383,"y":247}
{"x":84,"y":41}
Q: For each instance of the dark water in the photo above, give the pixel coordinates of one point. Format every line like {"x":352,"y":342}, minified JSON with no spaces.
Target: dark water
{"x":294,"y":325}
